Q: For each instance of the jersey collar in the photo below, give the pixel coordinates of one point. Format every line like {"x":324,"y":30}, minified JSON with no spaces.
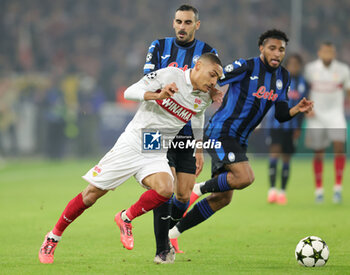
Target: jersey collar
{"x":187,"y":77}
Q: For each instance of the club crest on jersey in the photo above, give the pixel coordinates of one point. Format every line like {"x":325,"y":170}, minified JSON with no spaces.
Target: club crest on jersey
{"x":279,"y":84}
{"x":152,"y":75}
{"x":149,"y":57}
{"x":97,"y":170}
{"x":195,"y":59}
{"x":229,"y":68}
{"x":262,"y":93}
{"x":197,"y":100}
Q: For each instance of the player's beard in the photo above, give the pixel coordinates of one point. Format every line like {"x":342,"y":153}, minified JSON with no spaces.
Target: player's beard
{"x":188,"y":38}
{"x":268,"y":65}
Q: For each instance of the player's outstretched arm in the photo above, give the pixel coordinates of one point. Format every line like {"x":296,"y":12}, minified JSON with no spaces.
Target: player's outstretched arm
{"x":304,"y":106}
{"x":284,"y":113}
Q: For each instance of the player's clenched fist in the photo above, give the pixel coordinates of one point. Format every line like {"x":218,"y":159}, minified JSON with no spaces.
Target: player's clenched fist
{"x":168,"y":91}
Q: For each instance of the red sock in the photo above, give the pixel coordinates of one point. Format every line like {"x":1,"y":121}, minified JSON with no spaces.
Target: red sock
{"x":148,"y":201}
{"x":318,"y":167}
{"x":73,"y":210}
{"x":339,"y":164}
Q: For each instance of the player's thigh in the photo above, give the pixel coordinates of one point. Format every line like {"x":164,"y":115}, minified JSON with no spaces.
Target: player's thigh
{"x":184,"y":186}
{"x":241,"y":174}
{"x":219,"y":200}
{"x":338,"y":147}
{"x":275,"y":146}
{"x":173,"y":171}
{"x":288,"y":146}
{"x":316,"y":137}
{"x":275,"y":150}
{"x":230,"y":152}
{"x":161,"y":182}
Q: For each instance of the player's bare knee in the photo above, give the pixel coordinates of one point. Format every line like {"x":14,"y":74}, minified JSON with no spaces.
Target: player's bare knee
{"x":91,"y":194}
{"x":248,"y":180}
{"x":183,"y":196}
{"x":165,"y":189}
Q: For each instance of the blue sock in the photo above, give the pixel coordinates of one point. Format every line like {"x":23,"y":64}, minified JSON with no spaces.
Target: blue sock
{"x":273,"y":171}
{"x":285,"y":175}
{"x":218,"y":184}
{"x":178,"y":209}
{"x":199,"y":213}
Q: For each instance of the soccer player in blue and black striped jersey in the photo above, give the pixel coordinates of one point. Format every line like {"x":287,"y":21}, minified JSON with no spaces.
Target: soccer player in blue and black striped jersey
{"x":282,"y":136}
{"x":255,"y":85}
{"x":182,"y":52}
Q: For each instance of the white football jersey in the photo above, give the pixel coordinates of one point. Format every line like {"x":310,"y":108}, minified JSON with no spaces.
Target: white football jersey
{"x":327,"y":85}
{"x":168,"y":115}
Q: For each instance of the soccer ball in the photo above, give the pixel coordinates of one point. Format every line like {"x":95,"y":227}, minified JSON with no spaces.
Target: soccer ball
{"x":312,"y":251}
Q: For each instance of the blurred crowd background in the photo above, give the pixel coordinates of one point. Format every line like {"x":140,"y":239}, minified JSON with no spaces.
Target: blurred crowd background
{"x":65,"y":64}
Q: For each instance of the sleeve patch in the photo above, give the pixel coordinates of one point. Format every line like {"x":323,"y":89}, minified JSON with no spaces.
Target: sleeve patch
{"x":152,"y":75}
{"x":149,"y":57}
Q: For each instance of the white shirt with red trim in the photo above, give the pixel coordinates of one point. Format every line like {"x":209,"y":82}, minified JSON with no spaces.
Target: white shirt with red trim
{"x":168,"y":115}
{"x":327,"y":85}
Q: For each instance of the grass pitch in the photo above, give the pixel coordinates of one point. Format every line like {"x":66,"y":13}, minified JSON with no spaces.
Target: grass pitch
{"x":247,"y":237}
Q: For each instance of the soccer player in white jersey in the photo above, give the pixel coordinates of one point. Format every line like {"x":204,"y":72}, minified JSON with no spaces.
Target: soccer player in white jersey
{"x":170,"y":98}
{"x":328,"y":78}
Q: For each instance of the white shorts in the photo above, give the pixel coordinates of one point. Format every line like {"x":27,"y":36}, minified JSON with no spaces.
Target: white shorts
{"x":123,"y":162}
{"x":320,"y":134}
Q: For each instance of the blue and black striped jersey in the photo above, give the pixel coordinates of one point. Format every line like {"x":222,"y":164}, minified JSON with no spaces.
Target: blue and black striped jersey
{"x":253,"y":89}
{"x":166,"y":52}
{"x":298,"y":90}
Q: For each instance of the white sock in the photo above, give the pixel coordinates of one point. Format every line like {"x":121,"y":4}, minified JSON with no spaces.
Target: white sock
{"x":197,"y":188}
{"x":125,"y":218}
{"x":53,"y":236}
{"x":319,"y":191}
{"x":174,"y":233}
{"x":337,"y":188}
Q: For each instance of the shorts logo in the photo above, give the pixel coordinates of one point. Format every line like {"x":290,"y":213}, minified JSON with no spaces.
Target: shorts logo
{"x":152,"y":140}
{"x":149,"y":57}
{"x":231,"y":157}
{"x":97,"y":170}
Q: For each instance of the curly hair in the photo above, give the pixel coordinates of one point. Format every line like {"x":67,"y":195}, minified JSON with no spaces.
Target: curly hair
{"x":274,"y":33}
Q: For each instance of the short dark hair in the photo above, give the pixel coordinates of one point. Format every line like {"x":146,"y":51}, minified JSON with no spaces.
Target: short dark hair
{"x":274,"y":33}
{"x":186,"y":7}
{"x":211,"y":57}
{"x":296,"y":56}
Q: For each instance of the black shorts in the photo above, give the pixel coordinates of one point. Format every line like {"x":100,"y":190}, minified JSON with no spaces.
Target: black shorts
{"x":284,"y":138}
{"x":182,"y":159}
{"x":231,"y":151}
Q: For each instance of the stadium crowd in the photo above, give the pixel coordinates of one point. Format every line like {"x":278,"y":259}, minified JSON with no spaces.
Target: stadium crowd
{"x":62,"y":61}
